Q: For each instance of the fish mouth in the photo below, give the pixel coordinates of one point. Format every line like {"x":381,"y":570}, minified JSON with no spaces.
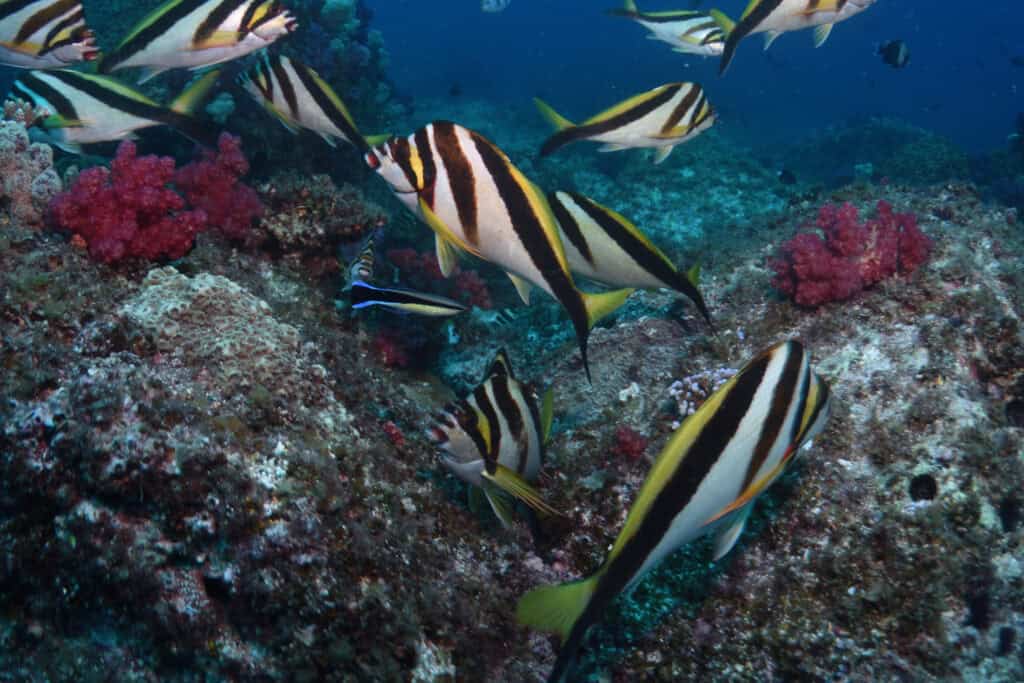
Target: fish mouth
{"x":280,"y":24}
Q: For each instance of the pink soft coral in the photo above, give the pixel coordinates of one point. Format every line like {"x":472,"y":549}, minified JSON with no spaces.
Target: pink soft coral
{"x":852,"y":255}
{"x":212,"y":184}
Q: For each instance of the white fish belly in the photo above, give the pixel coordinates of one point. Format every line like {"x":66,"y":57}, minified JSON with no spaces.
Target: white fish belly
{"x":791,"y":16}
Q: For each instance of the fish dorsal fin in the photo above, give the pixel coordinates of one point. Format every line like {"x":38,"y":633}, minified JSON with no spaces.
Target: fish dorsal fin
{"x":522,"y":287}
{"x":727,"y":537}
{"x":447,"y":256}
{"x":501,"y":365}
{"x":769,"y":38}
{"x":191,"y":97}
{"x":439,"y":227}
{"x":513,"y":484}
{"x":821,"y":34}
{"x":723,"y":20}
{"x":547,"y":414}
{"x":662,"y":153}
{"x":551,"y":116}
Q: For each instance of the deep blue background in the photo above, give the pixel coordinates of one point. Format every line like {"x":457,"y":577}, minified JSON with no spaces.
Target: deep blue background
{"x":960,"y":80}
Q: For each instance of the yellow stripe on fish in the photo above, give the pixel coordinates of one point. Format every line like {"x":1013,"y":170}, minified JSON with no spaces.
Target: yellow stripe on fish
{"x":661,"y":118}
{"x":705,"y":480}
{"x":44,"y":34}
{"x":195,"y":33}
{"x":473,"y":197}
{"x":775,"y":17}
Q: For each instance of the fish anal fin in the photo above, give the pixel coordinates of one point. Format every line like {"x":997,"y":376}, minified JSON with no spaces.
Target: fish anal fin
{"x":477,"y":500}
{"x":557,"y":608}
{"x":511,"y":483}
{"x":501,"y":504}
{"x":662,"y":153}
{"x":522,"y":287}
{"x":447,"y":256}
{"x":726,"y":538}
{"x":147,"y":73}
{"x":769,"y":38}
{"x":612,"y":147}
{"x":821,"y":34}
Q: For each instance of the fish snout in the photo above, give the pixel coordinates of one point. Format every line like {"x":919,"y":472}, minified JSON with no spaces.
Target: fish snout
{"x":278,"y":26}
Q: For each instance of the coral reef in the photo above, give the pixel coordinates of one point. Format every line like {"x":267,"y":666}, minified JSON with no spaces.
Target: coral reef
{"x":211,"y":184}
{"x":27,"y":179}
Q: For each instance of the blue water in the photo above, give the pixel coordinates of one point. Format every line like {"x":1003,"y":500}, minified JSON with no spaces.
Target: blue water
{"x":960,"y":81}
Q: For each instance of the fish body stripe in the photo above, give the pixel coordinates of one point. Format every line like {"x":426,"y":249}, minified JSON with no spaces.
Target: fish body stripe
{"x":428,"y":173}
{"x":44,"y":17}
{"x":531,"y":234}
{"x":460,"y":178}
{"x":691,"y":101}
{"x":571,"y":229}
{"x":510,"y":409}
{"x":286,"y":86}
{"x":76,"y":34}
{"x":217,"y":17}
{"x":114,"y":99}
{"x":795,"y":379}
{"x":147,"y":34}
{"x":624,"y":118}
{"x":14,"y":6}
{"x":28,"y":86}
{"x":246,"y":24}
{"x":483,"y":404}
{"x":323,"y":101}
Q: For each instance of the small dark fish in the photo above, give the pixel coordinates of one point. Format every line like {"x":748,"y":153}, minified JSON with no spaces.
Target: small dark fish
{"x":1017,"y":61}
{"x":895,"y":53}
{"x":787,"y":177}
{"x":455,"y":90}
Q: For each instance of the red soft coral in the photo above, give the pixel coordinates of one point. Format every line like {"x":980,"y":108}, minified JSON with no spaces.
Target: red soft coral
{"x":212,"y":184}
{"x":852,"y":255}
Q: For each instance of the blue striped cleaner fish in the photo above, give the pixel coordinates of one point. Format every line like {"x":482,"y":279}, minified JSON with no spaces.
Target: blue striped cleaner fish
{"x":495,"y":437}
{"x":473,"y":197}
{"x":44,"y":34}
{"x":363,"y":295}
{"x":88,"y":108}
{"x":706,"y":479}
{"x":688,"y":31}
{"x":661,"y":118}
{"x":605,"y":246}
{"x":775,"y":17}
{"x":297,"y":97}
{"x":191,"y":34}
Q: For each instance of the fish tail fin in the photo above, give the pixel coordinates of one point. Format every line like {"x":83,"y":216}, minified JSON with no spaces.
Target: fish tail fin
{"x":689,"y":285}
{"x":559,"y":122}
{"x":723,"y":20}
{"x":190,"y":99}
{"x":628,"y":9}
{"x":560,"y":609}
{"x":595,"y":307}
{"x":729,"y":51}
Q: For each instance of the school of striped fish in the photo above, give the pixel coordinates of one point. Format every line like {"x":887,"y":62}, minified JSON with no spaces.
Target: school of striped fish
{"x":477,"y":201}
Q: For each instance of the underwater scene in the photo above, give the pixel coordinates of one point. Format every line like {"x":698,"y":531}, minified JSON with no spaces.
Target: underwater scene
{"x":511,"y":341}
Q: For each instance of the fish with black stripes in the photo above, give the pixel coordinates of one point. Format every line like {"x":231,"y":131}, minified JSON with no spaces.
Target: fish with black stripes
{"x":687,"y":31}
{"x":476,"y":201}
{"x":362,"y":266}
{"x":605,"y":246}
{"x":88,"y":108}
{"x":298,"y":97}
{"x":706,"y":480}
{"x":191,"y":34}
{"x":661,"y":118}
{"x":494,"y":439}
{"x":44,"y":34}
{"x":775,"y":17}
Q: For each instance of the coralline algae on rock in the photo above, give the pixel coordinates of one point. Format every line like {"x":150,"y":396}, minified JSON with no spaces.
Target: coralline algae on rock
{"x":27,"y":179}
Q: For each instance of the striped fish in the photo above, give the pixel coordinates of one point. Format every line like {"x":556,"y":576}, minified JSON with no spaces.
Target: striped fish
{"x":688,"y":31}
{"x":605,"y":246}
{"x":363,"y":295}
{"x":44,"y":34}
{"x":775,"y":17}
{"x":87,"y":108}
{"x":361,"y":267}
{"x":196,"y":33}
{"x":706,"y":479}
{"x":297,"y":97}
{"x":477,"y":201}
{"x":661,"y":118}
{"x":495,"y":439}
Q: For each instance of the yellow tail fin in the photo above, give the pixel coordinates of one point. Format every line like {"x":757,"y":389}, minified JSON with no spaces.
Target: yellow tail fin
{"x":556,"y":609}
{"x":552,"y":116}
{"x":604,"y":303}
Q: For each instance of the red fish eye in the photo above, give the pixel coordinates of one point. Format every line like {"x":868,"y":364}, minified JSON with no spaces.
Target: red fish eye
{"x":372,"y":161}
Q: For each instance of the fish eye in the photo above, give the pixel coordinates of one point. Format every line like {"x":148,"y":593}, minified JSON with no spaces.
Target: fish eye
{"x":372,"y":161}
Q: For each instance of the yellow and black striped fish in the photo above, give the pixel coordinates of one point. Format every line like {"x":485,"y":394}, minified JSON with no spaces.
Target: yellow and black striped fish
{"x":706,"y":479}
{"x":296,"y":95}
{"x":775,"y":17}
{"x":688,"y":31}
{"x":88,"y":108}
{"x":495,"y":439}
{"x":195,"y":33}
{"x":477,"y":201}
{"x":44,"y":34}
{"x":661,"y":118}
{"x":605,"y":246}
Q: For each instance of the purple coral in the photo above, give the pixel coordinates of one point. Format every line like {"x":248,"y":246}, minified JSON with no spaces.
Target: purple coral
{"x":27,"y":179}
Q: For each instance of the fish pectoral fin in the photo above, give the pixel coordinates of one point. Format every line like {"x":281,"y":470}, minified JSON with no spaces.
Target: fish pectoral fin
{"x":662,"y":153}
{"x":447,"y":255}
{"x":501,"y":504}
{"x":602,"y":304}
{"x":727,"y":537}
{"x":612,"y":147}
{"x":438,"y":226}
{"x":58,"y":121}
{"x":770,"y":37}
{"x":557,"y":608}
{"x":821,"y":34}
{"x":511,"y":483}
{"x":477,"y":500}
{"x":522,"y":287}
